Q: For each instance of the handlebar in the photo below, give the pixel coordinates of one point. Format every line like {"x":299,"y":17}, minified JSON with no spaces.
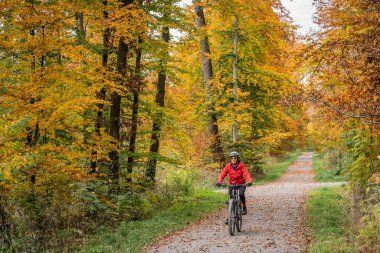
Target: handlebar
{"x":234,"y":185}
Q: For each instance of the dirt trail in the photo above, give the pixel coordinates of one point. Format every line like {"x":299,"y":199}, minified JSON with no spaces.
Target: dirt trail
{"x":274,"y":223}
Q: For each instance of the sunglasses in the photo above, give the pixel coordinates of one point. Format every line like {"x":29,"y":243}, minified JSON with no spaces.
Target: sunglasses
{"x":233,"y":158}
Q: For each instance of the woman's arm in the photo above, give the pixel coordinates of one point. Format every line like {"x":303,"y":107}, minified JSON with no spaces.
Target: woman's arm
{"x":223,"y":174}
{"x":246,"y":174}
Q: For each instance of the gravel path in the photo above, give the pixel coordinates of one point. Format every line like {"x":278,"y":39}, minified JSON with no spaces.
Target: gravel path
{"x":274,"y":223}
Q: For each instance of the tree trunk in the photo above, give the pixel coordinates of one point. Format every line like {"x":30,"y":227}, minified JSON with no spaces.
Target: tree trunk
{"x":208,"y":75}
{"x":101,"y":95}
{"x":81,"y":28}
{"x":81,"y":31}
{"x":150,"y":173}
{"x":235,"y":80}
{"x":29,"y":137}
{"x":115,"y":113}
{"x":135,"y":109}
{"x":32,"y":137}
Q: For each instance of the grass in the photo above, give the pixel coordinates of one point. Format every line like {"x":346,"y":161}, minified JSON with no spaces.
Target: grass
{"x":323,"y":174}
{"x":327,"y":221}
{"x":277,"y":169}
{"x":133,"y":236}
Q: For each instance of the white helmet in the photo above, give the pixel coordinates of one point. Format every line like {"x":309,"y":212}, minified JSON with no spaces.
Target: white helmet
{"x":234,"y":154}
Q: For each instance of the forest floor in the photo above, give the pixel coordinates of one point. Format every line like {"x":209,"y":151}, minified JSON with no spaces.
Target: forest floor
{"x":275,"y":221}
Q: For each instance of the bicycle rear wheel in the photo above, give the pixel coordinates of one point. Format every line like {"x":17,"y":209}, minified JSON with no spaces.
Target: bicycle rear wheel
{"x":231,"y":217}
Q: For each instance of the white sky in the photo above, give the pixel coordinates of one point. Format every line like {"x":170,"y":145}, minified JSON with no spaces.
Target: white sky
{"x":302,"y":12}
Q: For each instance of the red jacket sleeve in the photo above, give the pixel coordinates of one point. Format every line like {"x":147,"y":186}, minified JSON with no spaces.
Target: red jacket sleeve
{"x":223,"y":174}
{"x":246,"y":174}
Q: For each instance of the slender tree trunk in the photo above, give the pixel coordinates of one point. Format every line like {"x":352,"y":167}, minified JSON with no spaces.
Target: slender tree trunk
{"x":29,"y":137}
{"x":235,"y":80}
{"x":135,"y":109}
{"x":208,"y":75}
{"x":115,"y":112}
{"x":150,"y":173}
{"x":101,"y":95}
{"x":81,"y":31}
{"x":33,"y":135}
{"x":79,"y":17}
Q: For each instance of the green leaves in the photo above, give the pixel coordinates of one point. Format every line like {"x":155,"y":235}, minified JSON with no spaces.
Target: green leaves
{"x":360,"y":155}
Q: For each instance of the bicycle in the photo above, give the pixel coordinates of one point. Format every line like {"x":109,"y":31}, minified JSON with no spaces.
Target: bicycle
{"x":235,"y":219}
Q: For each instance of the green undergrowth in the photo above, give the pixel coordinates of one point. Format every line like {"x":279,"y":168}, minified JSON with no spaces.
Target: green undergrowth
{"x":132,"y":236}
{"x":322,"y":173}
{"x":326,"y":220}
{"x":277,"y":168}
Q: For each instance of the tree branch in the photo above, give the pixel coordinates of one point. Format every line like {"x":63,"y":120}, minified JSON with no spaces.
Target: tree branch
{"x":347,"y":114}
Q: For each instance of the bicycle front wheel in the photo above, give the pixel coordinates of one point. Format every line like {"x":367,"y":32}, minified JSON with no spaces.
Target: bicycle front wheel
{"x":231,"y":217}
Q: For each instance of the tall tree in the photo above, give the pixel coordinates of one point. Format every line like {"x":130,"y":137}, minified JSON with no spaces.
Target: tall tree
{"x":342,"y":65}
{"x":115,"y":111}
{"x":101,"y":94}
{"x":208,"y":76}
{"x":135,"y":107}
{"x":235,"y":81}
{"x":160,"y":102}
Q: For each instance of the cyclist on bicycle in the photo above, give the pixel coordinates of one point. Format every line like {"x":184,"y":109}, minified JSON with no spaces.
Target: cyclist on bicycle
{"x":238,"y":174}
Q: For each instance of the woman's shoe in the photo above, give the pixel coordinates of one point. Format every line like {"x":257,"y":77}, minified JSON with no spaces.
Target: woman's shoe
{"x":244,"y":212}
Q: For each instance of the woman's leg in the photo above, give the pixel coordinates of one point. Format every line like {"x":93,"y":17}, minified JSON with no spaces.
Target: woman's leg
{"x":242,"y":198}
{"x":241,"y":194}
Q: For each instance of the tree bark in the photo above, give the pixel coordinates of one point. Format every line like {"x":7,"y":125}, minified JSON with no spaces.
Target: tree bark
{"x":115,"y":112}
{"x":32,"y":137}
{"x":29,"y":137}
{"x":79,"y":17}
{"x":101,"y":95}
{"x":235,"y":80}
{"x":208,"y":75}
{"x":135,"y":109}
{"x":150,"y":172}
{"x":80,"y":29}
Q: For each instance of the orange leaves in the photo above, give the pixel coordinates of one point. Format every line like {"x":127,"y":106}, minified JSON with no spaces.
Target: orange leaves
{"x":345,"y":61}
{"x":128,"y":21}
{"x":102,"y":143}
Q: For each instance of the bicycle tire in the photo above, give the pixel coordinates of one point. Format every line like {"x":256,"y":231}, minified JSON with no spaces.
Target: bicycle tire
{"x":239,"y":218}
{"x":231,"y":217}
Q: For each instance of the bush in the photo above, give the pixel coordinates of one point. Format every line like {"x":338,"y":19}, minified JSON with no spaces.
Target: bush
{"x":369,"y":234}
{"x":134,"y":206}
{"x":182,"y":181}
{"x":325,"y":173}
{"x":360,"y":160}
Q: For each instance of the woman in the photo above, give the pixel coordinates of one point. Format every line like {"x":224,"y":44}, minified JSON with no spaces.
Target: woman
{"x":238,"y":175}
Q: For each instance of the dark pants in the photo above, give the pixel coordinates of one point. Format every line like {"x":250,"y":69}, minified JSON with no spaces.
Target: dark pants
{"x":241,"y":193}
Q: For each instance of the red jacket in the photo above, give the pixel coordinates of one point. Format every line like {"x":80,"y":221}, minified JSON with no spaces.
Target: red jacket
{"x":236,"y":176}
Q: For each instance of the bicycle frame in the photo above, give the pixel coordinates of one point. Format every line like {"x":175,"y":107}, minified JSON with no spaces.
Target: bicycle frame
{"x":234,"y":192}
